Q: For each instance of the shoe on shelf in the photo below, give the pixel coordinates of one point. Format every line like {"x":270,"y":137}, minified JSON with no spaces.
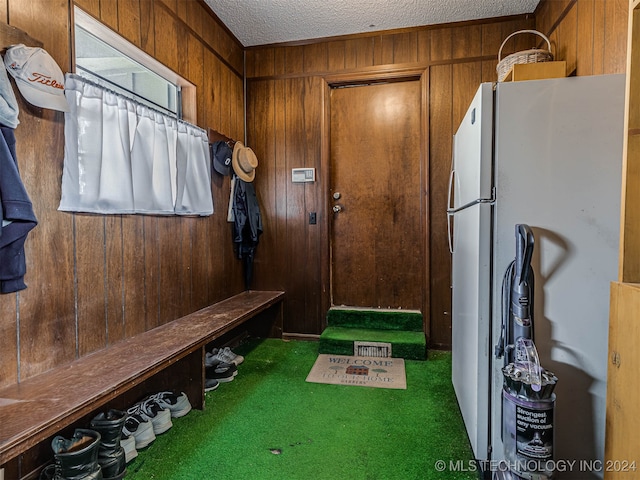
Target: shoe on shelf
{"x":178,"y":405}
{"x":159,"y":417}
{"x":129,"y":446}
{"x":226,"y":355}
{"x":222,"y":372}
{"x":210,"y":384}
{"x":211,"y":362}
{"x":140,"y":429}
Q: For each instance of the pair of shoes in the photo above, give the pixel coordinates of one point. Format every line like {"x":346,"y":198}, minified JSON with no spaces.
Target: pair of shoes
{"x":178,"y":405}
{"x":218,"y":370}
{"x":210,"y":384}
{"x":139,"y":429}
{"x":151,"y":410}
{"x":227,"y":356}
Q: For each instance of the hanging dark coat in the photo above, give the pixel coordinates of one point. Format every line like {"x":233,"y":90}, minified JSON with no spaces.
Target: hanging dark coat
{"x":247,"y":226}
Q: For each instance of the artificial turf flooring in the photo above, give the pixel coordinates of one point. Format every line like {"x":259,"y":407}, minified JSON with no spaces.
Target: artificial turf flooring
{"x":271,"y":424}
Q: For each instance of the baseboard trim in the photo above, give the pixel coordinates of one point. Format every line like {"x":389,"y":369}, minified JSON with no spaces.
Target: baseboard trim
{"x":310,"y":337}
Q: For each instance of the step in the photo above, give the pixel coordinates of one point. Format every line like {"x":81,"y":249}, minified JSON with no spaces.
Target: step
{"x":375,"y":318}
{"x":404,"y":344}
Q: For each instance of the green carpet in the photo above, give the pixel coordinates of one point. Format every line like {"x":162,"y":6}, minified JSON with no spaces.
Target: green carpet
{"x":271,"y":424}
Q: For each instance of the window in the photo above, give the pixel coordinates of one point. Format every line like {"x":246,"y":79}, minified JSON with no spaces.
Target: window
{"x":103,"y":56}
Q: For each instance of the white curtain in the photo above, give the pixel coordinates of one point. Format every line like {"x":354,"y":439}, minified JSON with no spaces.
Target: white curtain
{"x":124,"y":157}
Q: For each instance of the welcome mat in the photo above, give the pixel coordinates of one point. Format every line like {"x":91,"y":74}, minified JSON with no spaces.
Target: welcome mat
{"x":379,"y":372}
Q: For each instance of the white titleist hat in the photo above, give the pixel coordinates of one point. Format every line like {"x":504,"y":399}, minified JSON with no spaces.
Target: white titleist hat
{"x":37,"y":76}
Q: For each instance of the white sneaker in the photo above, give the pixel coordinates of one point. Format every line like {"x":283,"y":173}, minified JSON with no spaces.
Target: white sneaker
{"x":138,"y":428}
{"x":178,"y":405}
{"x":227,"y":356}
{"x":149,"y":410}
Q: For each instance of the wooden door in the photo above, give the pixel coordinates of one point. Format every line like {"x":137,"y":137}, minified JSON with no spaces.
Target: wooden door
{"x":376,"y":235}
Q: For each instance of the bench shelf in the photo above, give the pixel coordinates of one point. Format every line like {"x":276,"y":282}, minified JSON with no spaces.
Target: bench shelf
{"x":170,"y":356}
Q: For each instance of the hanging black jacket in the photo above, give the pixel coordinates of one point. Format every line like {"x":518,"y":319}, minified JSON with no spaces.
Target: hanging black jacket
{"x":16,"y":216}
{"x":247,"y":226}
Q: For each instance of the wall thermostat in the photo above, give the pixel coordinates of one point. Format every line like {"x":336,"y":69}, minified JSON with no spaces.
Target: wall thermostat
{"x":302,"y":175}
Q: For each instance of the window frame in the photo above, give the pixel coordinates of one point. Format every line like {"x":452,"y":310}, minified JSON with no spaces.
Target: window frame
{"x":187,"y":98}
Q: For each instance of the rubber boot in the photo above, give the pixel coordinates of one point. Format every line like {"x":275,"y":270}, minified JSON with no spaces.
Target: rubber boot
{"x":76,"y":458}
{"x":111,"y":455}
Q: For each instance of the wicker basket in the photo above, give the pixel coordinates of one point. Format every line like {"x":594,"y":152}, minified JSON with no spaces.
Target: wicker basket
{"x":533,"y":55}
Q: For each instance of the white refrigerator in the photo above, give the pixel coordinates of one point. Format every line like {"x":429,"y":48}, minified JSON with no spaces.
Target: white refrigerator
{"x":548,"y":154}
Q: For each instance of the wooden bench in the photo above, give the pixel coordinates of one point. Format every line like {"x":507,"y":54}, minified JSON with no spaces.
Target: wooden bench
{"x":168,"y":357}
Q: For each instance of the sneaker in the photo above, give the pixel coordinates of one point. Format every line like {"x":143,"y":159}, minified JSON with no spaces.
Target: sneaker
{"x":210,"y":384}
{"x":140,"y":429}
{"x":159,"y":417}
{"x":222,"y":372}
{"x":128,"y":444}
{"x":227,"y":356}
{"x":211,"y":362}
{"x":178,"y":405}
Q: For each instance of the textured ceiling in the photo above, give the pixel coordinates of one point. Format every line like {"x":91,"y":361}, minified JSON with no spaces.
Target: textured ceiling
{"x":264,"y":22}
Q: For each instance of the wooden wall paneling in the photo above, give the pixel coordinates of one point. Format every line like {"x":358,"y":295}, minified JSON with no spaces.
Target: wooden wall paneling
{"x":585,"y":37}
{"x":46,"y":308}
{"x":129,"y":20}
{"x":263,"y":62}
{"x":261,"y":135}
{"x":147,"y":26}
{"x":295,"y":207}
{"x":383,"y":49}
{"x":294,"y":59}
{"x":135,"y":283}
{"x":336,"y":55}
{"x":212,"y":92}
{"x":89,"y":6}
{"x":171,"y":243}
{"x":440,"y":135}
{"x":172,"y":5}
{"x":315,"y":57}
{"x":114,"y":279}
{"x":441,"y":44}
{"x":313,"y":201}
{"x":194,"y":16}
{"x":550,"y":11}
{"x":166,"y":37}
{"x":359,"y":52}
{"x":152,"y":258}
{"x":468,"y":42}
{"x":187,"y":231}
{"x":109,"y":13}
{"x":405,"y":47}
{"x":598,"y":37}
{"x":466,"y":79}
{"x":424,"y":46}
{"x":489,"y":73}
{"x":615,"y":39}
{"x":9,"y":338}
{"x":225,"y":101}
{"x":237,"y":107}
{"x":90,"y":282}
{"x":564,"y":40}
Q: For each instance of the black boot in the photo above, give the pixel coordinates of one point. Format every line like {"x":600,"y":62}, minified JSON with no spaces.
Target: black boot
{"x":76,"y":458}
{"x":111,"y":455}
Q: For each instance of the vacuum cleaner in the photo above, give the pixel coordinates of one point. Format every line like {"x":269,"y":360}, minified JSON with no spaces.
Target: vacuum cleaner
{"x":528,"y":401}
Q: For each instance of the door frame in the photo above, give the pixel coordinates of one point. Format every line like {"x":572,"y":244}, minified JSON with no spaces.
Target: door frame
{"x":391,"y":75}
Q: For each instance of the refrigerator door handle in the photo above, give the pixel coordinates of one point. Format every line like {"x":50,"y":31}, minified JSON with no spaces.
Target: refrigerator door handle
{"x":449,"y":192}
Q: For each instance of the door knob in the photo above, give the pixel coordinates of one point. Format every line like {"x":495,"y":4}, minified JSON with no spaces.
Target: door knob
{"x":336,"y":195}
{"x":337,"y":208}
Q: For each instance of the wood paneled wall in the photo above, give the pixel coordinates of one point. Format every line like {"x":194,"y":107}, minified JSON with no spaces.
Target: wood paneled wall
{"x":281,"y":79}
{"x":94,"y":280}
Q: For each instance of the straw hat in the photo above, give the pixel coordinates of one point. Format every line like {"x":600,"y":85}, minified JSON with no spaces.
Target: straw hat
{"x":244,"y":162}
